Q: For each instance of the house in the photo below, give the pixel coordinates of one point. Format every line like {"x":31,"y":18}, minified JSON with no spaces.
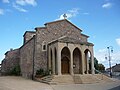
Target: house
{"x":59,"y":46}
{"x":116,"y":69}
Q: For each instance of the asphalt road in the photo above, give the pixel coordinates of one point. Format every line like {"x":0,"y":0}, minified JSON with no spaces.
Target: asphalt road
{"x":97,"y":86}
{"x":19,"y":83}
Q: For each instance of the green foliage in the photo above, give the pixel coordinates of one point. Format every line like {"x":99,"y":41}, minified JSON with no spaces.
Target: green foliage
{"x":95,"y":63}
{"x":101,"y":67}
{"x":15,"y":71}
{"x":42,"y":72}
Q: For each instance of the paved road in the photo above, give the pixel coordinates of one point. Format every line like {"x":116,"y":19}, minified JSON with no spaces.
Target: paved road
{"x":97,"y":86}
{"x":19,"y":83}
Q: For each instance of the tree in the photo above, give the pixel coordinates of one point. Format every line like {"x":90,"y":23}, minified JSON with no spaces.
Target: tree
{"x":101,"y":67}
{"x":95,"y":63}
{"x":98,"y":66}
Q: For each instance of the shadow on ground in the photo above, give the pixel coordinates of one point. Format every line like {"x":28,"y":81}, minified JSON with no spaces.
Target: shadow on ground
{"x":115,"y":88}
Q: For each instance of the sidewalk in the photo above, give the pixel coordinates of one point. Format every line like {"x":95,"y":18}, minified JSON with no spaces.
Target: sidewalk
{"x":19,"y":83}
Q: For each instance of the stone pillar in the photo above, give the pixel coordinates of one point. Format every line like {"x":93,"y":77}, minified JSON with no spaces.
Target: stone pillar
{"x":49,"y":59}
{"x":53,"y":61}
{"x":83,"y":62}
{"x":87,"y":62}
{"x":92,"y":62}
{"x":71,"y":63}
{"x":59,"y":61}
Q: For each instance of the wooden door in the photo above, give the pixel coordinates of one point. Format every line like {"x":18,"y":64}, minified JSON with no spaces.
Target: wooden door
{"x":65,"y":65}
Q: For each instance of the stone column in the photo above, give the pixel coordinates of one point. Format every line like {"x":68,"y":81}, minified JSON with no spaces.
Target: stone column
{"x":71,"y":63}
{"x":87,"y":62}
{"x":92,"y":62}
{"x":53,"y":61}
{"x":49,"y":59}
{"x":83,"y":62}
{"x":59,"y":60}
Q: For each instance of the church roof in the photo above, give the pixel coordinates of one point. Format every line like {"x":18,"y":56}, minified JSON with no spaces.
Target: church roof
{"x":61,"y":21}
{"x":71,"y":40}
{"x":85,"y":35}
{"x":28,"y":32}
{"x":116,"y":68}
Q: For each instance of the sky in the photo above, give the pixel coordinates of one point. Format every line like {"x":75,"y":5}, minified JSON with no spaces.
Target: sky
{"x":99,"y":19}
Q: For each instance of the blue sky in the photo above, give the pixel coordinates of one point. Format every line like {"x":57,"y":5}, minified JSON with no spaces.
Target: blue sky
{"x":100,"y":19}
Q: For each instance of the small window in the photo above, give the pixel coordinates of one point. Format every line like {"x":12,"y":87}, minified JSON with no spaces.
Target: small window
{"x":44,"y":46}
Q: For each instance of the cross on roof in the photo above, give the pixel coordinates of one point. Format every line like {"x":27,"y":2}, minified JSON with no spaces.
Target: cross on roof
{"x":65,"y":16}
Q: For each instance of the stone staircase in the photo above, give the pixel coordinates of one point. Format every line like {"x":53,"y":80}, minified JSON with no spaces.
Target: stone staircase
{"x":88,"y":78}
{"x":63,"y":79}
{"x":75,"y":79}
{"x":46,"y":79}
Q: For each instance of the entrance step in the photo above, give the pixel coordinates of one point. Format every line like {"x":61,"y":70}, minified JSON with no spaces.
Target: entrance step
{"x":103,"y":78}
{"x":46,"y":79}
{"x":75,"y":79}
{"x":88,"y":78}
{"x":63,"y":79}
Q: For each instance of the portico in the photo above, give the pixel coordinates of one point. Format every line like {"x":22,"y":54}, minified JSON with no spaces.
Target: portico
{"x":68,"y":57}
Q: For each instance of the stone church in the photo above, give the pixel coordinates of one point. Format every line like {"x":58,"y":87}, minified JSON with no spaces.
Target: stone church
{"x":59,"y":46}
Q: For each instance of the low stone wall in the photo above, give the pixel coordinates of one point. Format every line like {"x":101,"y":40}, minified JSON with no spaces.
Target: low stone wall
{"x":12,"y":59}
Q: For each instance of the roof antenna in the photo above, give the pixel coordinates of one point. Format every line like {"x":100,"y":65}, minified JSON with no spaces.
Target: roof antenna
{"x":65,"y":16}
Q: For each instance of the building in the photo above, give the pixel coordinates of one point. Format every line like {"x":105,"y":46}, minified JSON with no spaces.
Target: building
{"x":59,"y":47}
{"x":12,"y":59}
{"x":116,"y":70}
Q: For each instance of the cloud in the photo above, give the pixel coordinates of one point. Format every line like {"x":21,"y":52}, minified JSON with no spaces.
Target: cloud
{"x":1,"y":12}
{"x":26,"y":2}
{"x":107,"y":5}
{"x":118,"y":41}
{"x":102,"y":50}
{"x":102,"y":53}
{"x":5,"y":1}
{"x":70,"y":13}
{"x":19,"y":8}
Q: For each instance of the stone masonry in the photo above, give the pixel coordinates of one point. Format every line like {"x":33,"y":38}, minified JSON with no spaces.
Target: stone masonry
{"x":12,"y":59}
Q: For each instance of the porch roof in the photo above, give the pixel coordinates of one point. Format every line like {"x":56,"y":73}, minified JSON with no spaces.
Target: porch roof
{"x":71,"y":40}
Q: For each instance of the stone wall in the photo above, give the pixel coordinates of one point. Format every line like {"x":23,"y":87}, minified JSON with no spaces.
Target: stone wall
{"x":40,"y":56}
{"x":12,"y":59}
{"x":28,"y":35}
{"x":64,"y":28}
{"x":26,"y":58}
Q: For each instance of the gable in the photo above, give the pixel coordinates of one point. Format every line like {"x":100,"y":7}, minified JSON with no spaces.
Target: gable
{"x":64,"y":20}
{"x":63,"y":28}
{"x":60,"y":28}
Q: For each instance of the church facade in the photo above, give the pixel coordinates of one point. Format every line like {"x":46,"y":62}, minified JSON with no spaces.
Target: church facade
{"x":59,"y":47}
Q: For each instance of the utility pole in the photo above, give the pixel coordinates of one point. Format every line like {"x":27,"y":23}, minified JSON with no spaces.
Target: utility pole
{"x":110,"y":50}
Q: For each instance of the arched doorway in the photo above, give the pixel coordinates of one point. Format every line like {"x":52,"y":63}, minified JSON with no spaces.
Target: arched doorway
{"x":65,"y":61}
{"x":77,"y":61}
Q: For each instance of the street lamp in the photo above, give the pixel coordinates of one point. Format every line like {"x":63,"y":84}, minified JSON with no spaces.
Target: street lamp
{"x":110,"y":50}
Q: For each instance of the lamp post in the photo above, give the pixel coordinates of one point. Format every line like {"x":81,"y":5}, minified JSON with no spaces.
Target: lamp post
{"x":110,"y":50}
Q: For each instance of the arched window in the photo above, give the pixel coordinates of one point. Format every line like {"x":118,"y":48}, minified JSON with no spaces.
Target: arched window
{"x":44,"y":46}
